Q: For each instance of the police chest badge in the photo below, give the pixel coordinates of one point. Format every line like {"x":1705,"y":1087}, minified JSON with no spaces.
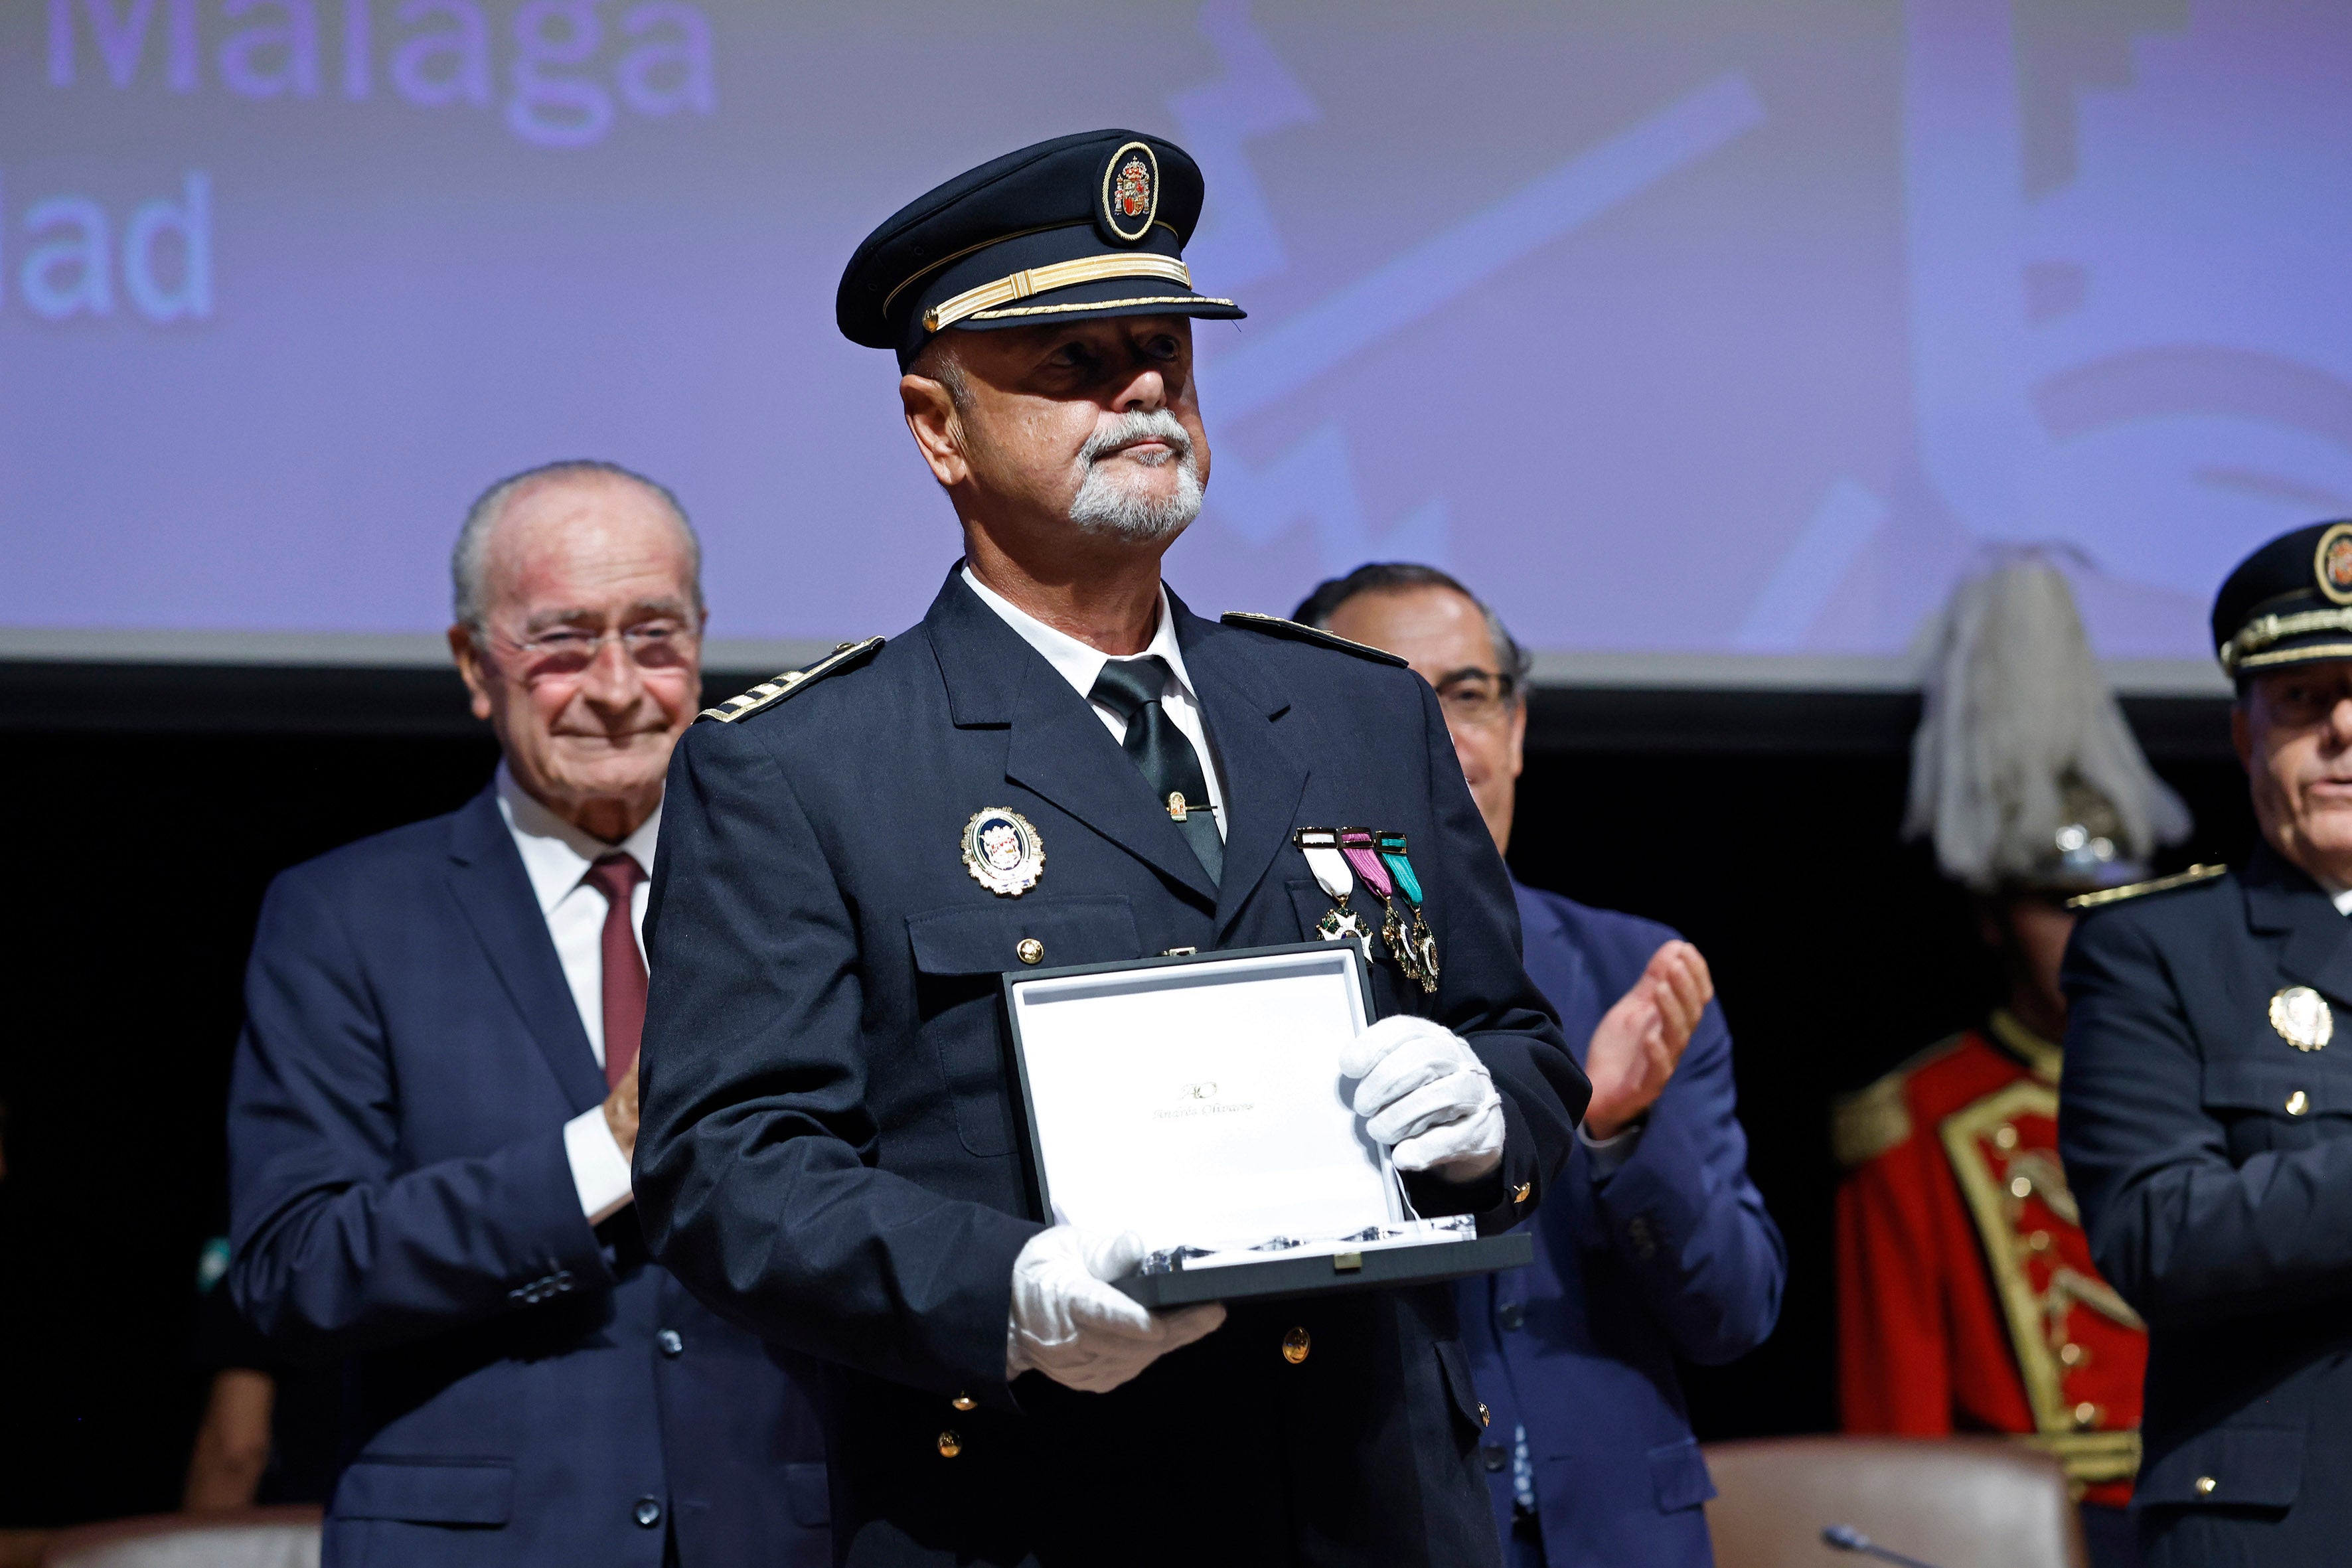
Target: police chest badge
{"x":2302,"y":1019}
{"x":1002,"y":852}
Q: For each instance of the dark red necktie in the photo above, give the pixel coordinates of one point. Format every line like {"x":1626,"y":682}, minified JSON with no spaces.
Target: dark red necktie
{"x":616,"y":876}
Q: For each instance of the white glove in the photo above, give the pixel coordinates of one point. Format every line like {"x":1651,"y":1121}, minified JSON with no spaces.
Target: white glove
{"x":1427,"y":1096}
{"x":1071,"y":1326}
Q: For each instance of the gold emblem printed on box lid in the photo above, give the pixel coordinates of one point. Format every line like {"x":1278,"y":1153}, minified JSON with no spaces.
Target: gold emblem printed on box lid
{"x":2302,"y":1019}
{"x":1003,"y":853}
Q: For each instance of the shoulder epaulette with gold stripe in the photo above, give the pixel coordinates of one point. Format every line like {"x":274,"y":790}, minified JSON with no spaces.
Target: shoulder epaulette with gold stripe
{"x":1871,"y":1119}
{"x":2105,"y":896}
{"x":769,"y":692}
{"x":1299,"y":631}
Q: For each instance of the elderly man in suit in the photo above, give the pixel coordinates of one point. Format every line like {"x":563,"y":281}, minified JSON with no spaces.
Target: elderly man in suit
{"x":1653,"y":1243}
{"x":434,"y":1102}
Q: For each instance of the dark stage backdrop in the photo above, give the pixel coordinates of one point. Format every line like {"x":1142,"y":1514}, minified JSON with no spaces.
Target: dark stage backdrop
{"x":1763,"y":827}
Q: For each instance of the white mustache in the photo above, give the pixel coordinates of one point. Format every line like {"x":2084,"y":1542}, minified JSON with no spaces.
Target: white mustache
{"x":1137,"y":426}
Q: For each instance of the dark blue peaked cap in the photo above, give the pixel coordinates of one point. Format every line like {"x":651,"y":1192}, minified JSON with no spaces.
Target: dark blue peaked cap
{"x":1091,"y":225}
{"x":2288,"y":602}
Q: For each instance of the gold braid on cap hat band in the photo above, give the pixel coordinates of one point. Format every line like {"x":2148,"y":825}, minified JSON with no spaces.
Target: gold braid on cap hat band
{"x":1057,"y":275}
{"x":2261,"y":632}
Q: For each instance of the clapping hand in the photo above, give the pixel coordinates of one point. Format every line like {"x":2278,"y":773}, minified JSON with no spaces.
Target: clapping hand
{"x":1641,"y":1040}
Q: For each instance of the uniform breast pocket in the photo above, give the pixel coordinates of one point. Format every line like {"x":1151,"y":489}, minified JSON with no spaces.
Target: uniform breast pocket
{"x":2267,"y":1104}
{"x":961,"y":951}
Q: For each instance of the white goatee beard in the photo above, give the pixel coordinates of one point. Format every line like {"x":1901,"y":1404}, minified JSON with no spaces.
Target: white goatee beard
{"x":1104,"y":505}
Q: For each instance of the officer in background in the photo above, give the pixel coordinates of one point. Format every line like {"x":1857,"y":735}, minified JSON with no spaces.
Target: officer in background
{"x":1655,"y":1243}
{"x":2207,"y":1121}
{"x":850,"y":857}
{"x":1967,"y":1298}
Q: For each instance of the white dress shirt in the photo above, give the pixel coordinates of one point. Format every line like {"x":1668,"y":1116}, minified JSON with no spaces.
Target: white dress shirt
{"x":556,"y":857}
{"x":1080,"y":666}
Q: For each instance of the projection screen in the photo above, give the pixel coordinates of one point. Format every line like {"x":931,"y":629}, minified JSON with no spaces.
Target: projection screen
{"x":1710,"y":342}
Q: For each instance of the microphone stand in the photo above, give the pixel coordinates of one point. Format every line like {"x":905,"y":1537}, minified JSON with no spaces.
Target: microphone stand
{"x":1846,"y":1538}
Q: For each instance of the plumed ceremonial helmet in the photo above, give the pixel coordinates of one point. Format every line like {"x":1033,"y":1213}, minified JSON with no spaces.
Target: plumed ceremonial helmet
{"x":2288,"y":602}
{"x":1091,"y":225}
{"x":2023,"y":770}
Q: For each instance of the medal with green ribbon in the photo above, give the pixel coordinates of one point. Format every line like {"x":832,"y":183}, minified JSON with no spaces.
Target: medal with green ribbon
{"x":1424,"y":946}
{"x":1360,"y":845}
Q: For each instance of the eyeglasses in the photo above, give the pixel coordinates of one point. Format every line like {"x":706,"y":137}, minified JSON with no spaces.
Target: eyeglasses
{"x":567,"y":650}
{"x":1476,"y":698}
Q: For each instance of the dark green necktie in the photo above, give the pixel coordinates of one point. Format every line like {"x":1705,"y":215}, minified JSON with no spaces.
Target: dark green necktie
{"x":1133,"y":688}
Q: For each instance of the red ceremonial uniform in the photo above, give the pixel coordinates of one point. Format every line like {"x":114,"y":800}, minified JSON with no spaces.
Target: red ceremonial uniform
{"x":1968,"y":1301}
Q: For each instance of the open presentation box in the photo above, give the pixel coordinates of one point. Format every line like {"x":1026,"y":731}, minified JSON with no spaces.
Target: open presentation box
{"x":1198,"y":1102}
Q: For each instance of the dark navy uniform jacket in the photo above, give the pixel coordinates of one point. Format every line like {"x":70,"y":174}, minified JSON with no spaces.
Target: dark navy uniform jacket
{"x":531,"y":1390}
{"x":1671,"y":1253}
{"x":829,"y":1136}
{"x":2213,"y":1162}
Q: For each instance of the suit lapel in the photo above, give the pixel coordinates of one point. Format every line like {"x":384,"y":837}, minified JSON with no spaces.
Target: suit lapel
{"x":1264,"y":775}
{"x":487,"y":879}
{"x":1558,"y":970}
{"x":1056,"y":747}
{"x":2318,"y":948}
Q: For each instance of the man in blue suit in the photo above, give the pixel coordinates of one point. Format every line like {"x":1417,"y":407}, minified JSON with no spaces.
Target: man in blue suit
{"x":1654,"y":1242}
{"x":434,"y":1102}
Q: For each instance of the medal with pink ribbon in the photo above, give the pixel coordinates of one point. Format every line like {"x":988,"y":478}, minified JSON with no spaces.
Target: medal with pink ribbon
{"x":1361,"y":848}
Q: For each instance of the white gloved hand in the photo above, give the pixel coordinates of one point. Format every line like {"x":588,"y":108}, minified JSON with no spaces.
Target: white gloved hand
{"x":1071,"y":1326}
{"x":1427,"y":1096}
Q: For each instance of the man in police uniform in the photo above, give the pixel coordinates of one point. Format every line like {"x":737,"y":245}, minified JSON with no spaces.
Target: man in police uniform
{"x":2206,"y":1125}
{"x":1062,"y":765}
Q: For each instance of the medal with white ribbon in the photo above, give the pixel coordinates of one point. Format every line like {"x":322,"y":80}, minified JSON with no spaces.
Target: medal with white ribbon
{"x":1357,"y":845}
{"x":1424,"y":946}
{"x":1321,"y":848}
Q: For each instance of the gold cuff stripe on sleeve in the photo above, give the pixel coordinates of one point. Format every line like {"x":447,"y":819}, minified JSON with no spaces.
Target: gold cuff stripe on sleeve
{"x":1056,"y":275}
{"x":2258,"y":634}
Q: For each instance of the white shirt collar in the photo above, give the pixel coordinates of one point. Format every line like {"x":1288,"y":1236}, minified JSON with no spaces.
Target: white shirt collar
{"x":1076,"y":662}
{"x":555,"y":854}
{"x":2343,"y":900}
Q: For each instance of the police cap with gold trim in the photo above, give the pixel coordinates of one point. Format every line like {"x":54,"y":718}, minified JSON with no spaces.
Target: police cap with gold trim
{"x":1091,"y":225}
{"x":2288,"y":602}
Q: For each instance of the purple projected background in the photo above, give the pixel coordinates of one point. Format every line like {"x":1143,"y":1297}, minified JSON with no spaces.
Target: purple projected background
{"x":1734,"y":330}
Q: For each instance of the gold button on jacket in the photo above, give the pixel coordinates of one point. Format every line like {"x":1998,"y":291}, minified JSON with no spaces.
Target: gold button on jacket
{"x":1295,"y":1344}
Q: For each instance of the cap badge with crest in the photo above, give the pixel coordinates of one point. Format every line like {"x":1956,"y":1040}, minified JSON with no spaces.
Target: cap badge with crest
{"x":1130,"y":193}
{"x":2332,"y":562}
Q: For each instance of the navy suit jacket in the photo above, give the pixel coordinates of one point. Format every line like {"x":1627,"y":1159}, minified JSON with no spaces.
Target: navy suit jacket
{"x":401,"y":1199}
{"x":829,"y":1145}
{"x":1672,"y":1254}
{"x":2213,"y":1162}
